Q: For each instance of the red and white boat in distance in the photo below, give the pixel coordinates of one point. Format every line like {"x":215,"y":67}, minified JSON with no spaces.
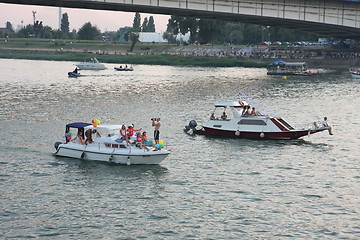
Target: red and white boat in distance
{"x":254,"y":126}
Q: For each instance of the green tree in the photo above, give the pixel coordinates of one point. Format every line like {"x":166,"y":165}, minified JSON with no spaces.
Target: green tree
{"x":137,"y":22}
{"x":151,"y":24}
{"x":65,"y":24}
{"x":122,"y":35}
{"x":184,"y":25}
{"x":89,"y":32}
{"x":144,"y":27}
{"x":9,"y":26}
{"x":26,"y":32}
{"x":134,"y":38}
{"x":210,"y":30}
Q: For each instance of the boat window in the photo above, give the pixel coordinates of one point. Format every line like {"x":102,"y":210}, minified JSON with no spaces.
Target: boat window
{"x":217,"y":126}
{"x":251,"y":122}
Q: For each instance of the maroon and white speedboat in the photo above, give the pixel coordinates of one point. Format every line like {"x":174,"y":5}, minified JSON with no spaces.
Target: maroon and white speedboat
{"x":245,"y":125}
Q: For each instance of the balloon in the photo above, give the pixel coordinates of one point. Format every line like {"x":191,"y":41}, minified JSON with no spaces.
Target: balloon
{"x":68,"y":138}
{"x":157,"y":145}
{"x":70,"y":134}
{"x":161,"y":142}
{"x":97,"y":121}
{"x":95,"y":124}
{"x":93,"y":121}
{"x":162,"y":146}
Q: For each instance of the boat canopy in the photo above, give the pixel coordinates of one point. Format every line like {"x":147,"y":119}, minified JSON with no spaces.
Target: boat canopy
{"x":78,"y":125}
{"x":290,"y":64}
{"x":105,"y":127}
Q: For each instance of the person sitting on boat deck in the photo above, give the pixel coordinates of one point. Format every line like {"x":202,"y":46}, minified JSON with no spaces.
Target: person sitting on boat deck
{"x":76,"y":70}
{"x":130,"y":132}
{"x":139,"y":141}
{"x":253,"y":112}
{"x":212,"y":117}
{"x":224,"y":116}
{"x":123,"y":134}
{"x":146,"y":141}
{"x":327,"y":126}
{"x":88,"y":135}
{"x":79,"y":138}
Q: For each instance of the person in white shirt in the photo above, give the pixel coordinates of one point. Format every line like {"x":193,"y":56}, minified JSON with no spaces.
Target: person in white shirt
{"x":327,"y":126}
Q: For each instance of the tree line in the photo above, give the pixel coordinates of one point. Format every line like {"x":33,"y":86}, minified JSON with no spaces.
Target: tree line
{"x":201,"y":31}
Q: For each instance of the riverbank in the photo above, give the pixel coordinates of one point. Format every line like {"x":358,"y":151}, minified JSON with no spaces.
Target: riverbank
{"x":174,"y":55}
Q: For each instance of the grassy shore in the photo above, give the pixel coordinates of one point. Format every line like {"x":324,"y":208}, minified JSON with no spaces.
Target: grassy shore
{"x":112,"y":52}
{"x":146,"y":53}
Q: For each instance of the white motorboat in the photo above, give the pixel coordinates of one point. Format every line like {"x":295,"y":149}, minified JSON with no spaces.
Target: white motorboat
{"x":106,"y":146}
{"x":355,"y":72}
{"x":93,"y":64}
{"x":244,"y":124}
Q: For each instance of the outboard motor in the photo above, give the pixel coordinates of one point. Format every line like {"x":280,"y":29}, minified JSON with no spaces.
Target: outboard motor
{"x":56,"y":145}
{"x":192,"y":125}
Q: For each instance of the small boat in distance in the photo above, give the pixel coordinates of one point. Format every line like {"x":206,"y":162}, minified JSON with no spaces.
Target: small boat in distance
{"x":355,"y":72}
{"x":279,"y":67}
{"x":93,"y":64}
{"x":74,"y":74}
{"x":255,"y":124}
{"x":126,"y":68}
{"x":103,"y":143}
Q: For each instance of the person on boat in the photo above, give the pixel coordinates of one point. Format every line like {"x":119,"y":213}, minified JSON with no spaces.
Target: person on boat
{"x":157,"y":124}
{"x":146,"y":141}
{"x":79,"y":138}
{"x":88,"y":137}
{"x":224,"y":116}
{"x":139,"y":141}
{"x":325,"y":125}
{"x":76,"y":71}
{"x":212,"y":117}
{"x":246,"y":110}
{"x":123,"y":134}
{"x":253,"y":112}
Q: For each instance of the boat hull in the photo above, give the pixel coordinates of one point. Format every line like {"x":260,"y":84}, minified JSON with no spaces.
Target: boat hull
{"x":85,"y":66}
{"x":124,"y":69}
{"x":73,"y":75}
{"x":355,"y":75}
{"x":120,"y":156}
{"x":290,"y":73}
{"x":286,"y":135}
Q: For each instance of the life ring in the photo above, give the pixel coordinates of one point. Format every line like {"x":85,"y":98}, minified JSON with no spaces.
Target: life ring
{"x":262,"y":135}
{"x":237,"y":133}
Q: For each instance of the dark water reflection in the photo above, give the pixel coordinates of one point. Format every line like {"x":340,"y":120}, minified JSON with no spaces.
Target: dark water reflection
{"x":208,"y":188}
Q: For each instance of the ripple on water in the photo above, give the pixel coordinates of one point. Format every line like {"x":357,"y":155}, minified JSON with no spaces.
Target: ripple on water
{"x":208,"y":188}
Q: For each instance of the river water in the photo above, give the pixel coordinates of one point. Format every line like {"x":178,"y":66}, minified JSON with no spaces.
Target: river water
{"x":208,"y":188}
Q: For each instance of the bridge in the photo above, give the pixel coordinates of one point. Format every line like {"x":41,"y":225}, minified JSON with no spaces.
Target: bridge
{"x":332,"y":18}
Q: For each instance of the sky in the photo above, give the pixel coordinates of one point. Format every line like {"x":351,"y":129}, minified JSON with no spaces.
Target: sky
{"x":104,"y":20}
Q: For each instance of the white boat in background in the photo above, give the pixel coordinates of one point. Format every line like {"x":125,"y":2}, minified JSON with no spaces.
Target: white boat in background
{"x":242,"y":124}
{"x":279,"y":67}
{"x":93,"y":64}
{"x":355,"y":72}
{"x":106,"y":146}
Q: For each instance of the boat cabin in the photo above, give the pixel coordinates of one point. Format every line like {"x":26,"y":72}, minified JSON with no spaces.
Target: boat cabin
{"x":281,"y":67}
